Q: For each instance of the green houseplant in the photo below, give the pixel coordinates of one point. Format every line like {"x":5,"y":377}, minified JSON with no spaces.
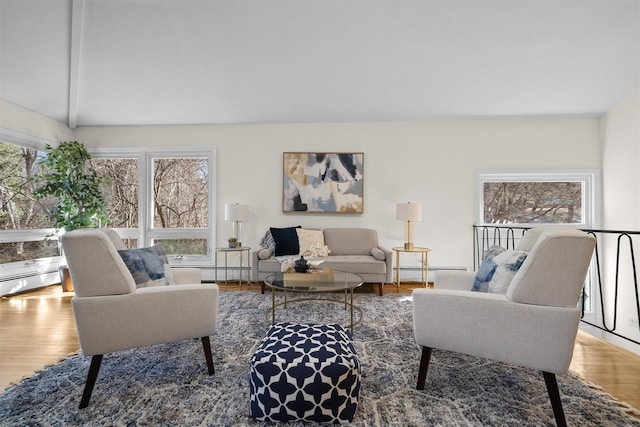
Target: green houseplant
{"x":233,"y":242}
{"x":66,"y":176}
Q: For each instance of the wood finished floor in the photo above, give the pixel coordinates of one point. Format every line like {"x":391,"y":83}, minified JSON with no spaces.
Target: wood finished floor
{"x":37,"y":329}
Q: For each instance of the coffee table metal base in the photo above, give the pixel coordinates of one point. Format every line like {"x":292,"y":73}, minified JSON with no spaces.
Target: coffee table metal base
{"x":348,"y":304}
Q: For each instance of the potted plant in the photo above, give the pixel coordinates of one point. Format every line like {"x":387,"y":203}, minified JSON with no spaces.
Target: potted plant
{"x":233,"y":242}
{"x":66,"y":176}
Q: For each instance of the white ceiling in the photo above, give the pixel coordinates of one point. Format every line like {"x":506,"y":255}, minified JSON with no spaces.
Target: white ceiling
{"x":127,"y":62}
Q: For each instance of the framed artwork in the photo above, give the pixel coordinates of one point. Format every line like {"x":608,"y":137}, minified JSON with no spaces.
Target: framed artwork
{"x":323,"y":182}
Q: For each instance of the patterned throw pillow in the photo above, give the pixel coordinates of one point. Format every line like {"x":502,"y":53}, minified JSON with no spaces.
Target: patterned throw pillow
{"x":498,"y":268}
{"x":148,"y":266}
{"x":268,"y":242}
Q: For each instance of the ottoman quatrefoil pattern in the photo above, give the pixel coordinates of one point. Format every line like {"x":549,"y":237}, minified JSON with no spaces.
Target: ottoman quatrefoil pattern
{"x":305,"y":372}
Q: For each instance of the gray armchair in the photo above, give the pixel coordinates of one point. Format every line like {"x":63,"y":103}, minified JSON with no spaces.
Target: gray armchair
{"x":112,"y":314}
{"x":534,"y":325}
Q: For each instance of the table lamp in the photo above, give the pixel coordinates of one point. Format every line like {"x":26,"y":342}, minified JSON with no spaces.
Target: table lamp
{"x":409,"y":212}
{"x":237,"y":213}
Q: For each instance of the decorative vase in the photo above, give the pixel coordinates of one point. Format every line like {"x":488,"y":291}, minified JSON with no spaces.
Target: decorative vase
{"x":301,"y":265}
{"x":233,"y":244}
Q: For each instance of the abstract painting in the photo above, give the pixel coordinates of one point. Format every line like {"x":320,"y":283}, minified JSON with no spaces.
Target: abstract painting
{"x":323,"y":182}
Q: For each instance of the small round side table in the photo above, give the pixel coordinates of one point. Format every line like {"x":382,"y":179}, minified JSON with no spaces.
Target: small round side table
{"x":226,"y":251}
{"x":425,"y":262}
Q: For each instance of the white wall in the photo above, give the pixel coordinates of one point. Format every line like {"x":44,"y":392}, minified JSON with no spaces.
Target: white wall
{"x":620,"y":161}
{"x":432,"y":162}
{"x":621,"y":189}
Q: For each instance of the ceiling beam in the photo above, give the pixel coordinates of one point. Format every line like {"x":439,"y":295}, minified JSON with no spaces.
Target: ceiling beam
{"x":77,"y":25}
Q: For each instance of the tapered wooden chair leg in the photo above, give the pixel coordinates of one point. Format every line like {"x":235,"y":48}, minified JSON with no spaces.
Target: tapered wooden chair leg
{"x":424,"y":366}
{"x":554,"y":396}
{"x":206,"y":344}
{"x":96,"y":360}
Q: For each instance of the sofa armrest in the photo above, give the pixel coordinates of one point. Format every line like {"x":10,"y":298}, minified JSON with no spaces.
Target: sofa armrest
{"x":187,"y":276}
{"x":255,"y":260}
{"x":389,"y":262}
{"x":454,"y":279}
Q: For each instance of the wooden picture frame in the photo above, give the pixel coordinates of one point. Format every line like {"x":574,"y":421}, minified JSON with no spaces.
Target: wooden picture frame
{"x":323,"y":182}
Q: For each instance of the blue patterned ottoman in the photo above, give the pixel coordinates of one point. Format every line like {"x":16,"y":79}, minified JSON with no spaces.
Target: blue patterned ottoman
{"x":305,"y":372}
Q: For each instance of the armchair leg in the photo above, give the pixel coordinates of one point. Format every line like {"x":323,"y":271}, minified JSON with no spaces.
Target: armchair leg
{"x":424,"y":366}
{"x":262,"y":286}
{"x":554,"y":396}
{"x":206,"y":344}
{"x":96,"y":360}
{"x":381,"y":288}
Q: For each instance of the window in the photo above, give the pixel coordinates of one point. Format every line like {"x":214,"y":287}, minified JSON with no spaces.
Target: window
{"x":530,"y":198}
{"x":152,"y":197}
{"x":121,"y":192}
{"x":159,"y":197}
{"x":179,"y":197}
{"x":28,"y":258}
{"x":24,"y":219}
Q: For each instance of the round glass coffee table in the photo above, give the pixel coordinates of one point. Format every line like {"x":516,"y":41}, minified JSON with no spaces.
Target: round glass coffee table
{"x":321,"y":281}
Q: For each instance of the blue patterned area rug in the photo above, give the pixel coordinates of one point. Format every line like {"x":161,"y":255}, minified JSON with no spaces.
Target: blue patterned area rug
{"x":168,"y":384}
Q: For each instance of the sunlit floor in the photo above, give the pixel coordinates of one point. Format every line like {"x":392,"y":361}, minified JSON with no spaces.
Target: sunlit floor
{"x":37,"y":329}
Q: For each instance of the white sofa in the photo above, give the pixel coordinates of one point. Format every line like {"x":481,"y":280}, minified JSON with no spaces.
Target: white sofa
{"x":354,"y":250}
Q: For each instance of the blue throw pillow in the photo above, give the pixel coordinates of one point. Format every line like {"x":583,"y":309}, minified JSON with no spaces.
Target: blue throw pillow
{"x":286,"y":241}
{"x":498,"y":268}
{"x":148,"y":266}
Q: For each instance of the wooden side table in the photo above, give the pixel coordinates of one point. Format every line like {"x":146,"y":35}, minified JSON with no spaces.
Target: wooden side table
{"x":425,"y":262}
{"x":226,"y":251}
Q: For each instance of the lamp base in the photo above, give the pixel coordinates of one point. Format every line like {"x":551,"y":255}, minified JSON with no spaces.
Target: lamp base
{"x":408,"y":246}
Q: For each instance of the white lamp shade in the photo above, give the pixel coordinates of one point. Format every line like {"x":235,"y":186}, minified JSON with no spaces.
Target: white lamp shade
{"x":236,"y":212}
{"x":409,"y":211}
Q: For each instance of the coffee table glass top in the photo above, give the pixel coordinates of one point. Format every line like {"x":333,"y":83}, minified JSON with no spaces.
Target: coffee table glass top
{"x":314,"y":282}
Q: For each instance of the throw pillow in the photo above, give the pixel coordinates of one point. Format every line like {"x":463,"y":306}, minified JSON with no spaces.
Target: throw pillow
{"x":267,"y":241}
{"x":309,"y":238}
{"x":498,"y":268}
{"x":148,"y":266}
{"x":286,"y":241}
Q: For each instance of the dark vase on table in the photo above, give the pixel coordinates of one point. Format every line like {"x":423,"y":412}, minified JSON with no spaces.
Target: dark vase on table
{"x":301,"y":265}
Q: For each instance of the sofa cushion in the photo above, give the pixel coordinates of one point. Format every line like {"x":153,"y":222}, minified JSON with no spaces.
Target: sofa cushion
{"x":358,"y":264}
{"x":497,"y":270}
{"x":148,"y":266}
{"x":350,"y":241}
{"x":309,"y":238}
{"x":270,"y":265}
{"x":286,"y":240}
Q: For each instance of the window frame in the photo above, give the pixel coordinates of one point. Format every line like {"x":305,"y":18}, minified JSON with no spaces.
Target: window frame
{"x":590,"y":179}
